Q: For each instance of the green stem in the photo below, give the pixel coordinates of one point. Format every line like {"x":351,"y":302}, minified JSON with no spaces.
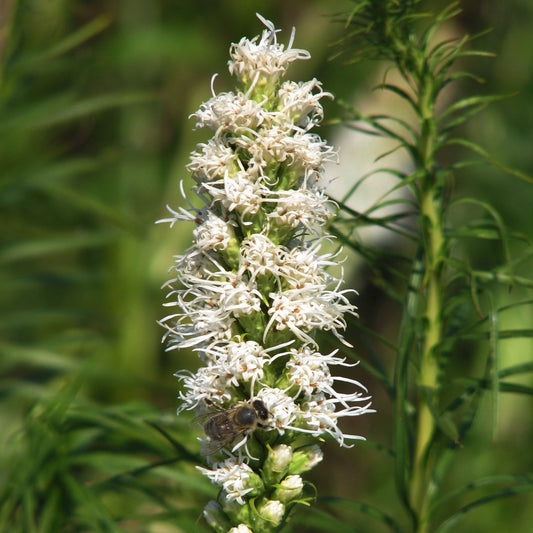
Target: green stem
{"x":430,"y":211}
{"x":428,"y":382}
{"x":434,"y":249}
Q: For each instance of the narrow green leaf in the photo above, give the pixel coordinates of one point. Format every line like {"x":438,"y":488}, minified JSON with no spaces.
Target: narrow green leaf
{"x":461,"y":74}
{"x":387,"y":171}
{"x":322,"y":521}
{"x":70,"y":42}
{"x":503,"y":278}
{"x":196,"y":459}
{"x":500,"y":225}
{"x":472,"y":101}
{"x":504,"y":493}
{"x":476,"y":230}
{"x":503,"y":334}
{"x":369,"y":510}
{"x":64,"y":108}
{"x":90,"y":509}
{"x":442,"y":49}
{"x":460,"y":119}
{"x":16,"y":355}
{"x":486,"y":155}
{"x":512,"y":388}
{"x":29,"y":506}
{"x":51,"y":510}
{"x":450,"y":11}
{"x":403,"y":94}
{"x":32,"y":249}
{"x":402,"y":426}
{"x":522,"y":368}
{"x":88,"y":203}
{"x":494,"y":482}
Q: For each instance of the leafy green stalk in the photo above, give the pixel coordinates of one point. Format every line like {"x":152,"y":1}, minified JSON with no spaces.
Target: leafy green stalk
{"x":425,"y":430}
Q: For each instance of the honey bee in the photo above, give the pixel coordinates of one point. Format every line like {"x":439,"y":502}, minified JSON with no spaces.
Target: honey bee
{"x":241,"y":419}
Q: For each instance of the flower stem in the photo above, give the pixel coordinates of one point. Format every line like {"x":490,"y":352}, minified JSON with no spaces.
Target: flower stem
{"x":428,"y":382}
{"x":434,"y":249}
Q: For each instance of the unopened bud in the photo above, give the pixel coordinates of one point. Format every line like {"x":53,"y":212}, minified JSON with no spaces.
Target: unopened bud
{"x":272,"y":511}
{"x":289,"y":489}
{"x":241,"y":528}
{"x":215,"y":517}
{"x":277,"y":464}
{"x":305,"y":459}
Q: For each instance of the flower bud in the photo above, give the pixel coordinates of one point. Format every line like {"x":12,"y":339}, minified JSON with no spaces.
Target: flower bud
{"x":216,"y":518}
{"x":277,"y":463}
{"x":272,"y":511}
{"x":289,"y":489}
{"x":255,"y":483}
{"x":237,"y":513}
{"x":305,"y":459}
{"x":241,"y":528}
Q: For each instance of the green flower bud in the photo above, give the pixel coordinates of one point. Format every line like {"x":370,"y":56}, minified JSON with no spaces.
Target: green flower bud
{"x":277,"y":464}
{"x":241,"y":528}
{"x":237,"y":512}
{"x":216,"y":518}
{"x":231,"y":253}
{"x":305,"y":459}
{"x":289,"y":489}
{"x":255,"y":483}
{"x":272,"y":511}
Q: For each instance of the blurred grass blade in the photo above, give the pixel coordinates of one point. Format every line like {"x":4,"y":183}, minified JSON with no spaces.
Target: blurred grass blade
{"x":318,"y":520}
{"x":522,"y":485}
{"x":24,"y":251}
{"x":486,"y":155}
{"x":71,"y":41}
{"x":368,"y":510}
{"x":65,"y":108}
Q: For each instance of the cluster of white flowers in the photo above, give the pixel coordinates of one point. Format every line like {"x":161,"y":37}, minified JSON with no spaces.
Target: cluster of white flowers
{"x":253,"y":289}
{"x":232,"y":475}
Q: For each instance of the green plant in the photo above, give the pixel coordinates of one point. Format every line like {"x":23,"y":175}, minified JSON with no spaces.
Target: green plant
{"x":446,"y":302}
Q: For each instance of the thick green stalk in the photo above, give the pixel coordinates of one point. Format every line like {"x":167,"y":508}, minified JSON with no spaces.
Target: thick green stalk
{"x":434,"y":246}
{"x":428,"y":372}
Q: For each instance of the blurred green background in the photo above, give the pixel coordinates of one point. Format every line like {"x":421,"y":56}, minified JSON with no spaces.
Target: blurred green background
{"x":94,"y":136}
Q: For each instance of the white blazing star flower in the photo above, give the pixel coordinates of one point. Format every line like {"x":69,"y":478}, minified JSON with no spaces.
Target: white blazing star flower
{"x":320,"y":415}
{"x":304,"y":266}
{"x":282,"y":407}
{"x":307,"y":308}
{"x":239,"y":361}
{"x":229,"y":113}
{"x":262,"y":61}
{"x":254,"y":288}
{"x":211,"y":161}
{"x":300,"y":104}
{"x":306,"y":208}
{"x":214,"y":234}
{"x":240,"y":192}
{"x":233,"y":477}
{"x":259,"y":256}
{"x":209,"y":383}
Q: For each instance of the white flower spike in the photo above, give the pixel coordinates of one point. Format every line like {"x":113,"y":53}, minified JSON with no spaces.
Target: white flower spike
{"x":255,"y":287}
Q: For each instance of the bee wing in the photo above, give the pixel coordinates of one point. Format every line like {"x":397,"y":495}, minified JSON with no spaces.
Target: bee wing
{"x":202,"y":418}
{"x":240,"y":443}
{"x":212,"y":447}
{"x":206,"y":410}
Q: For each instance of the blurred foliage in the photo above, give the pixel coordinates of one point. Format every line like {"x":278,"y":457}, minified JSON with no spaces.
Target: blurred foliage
{"x":94,"y":135}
